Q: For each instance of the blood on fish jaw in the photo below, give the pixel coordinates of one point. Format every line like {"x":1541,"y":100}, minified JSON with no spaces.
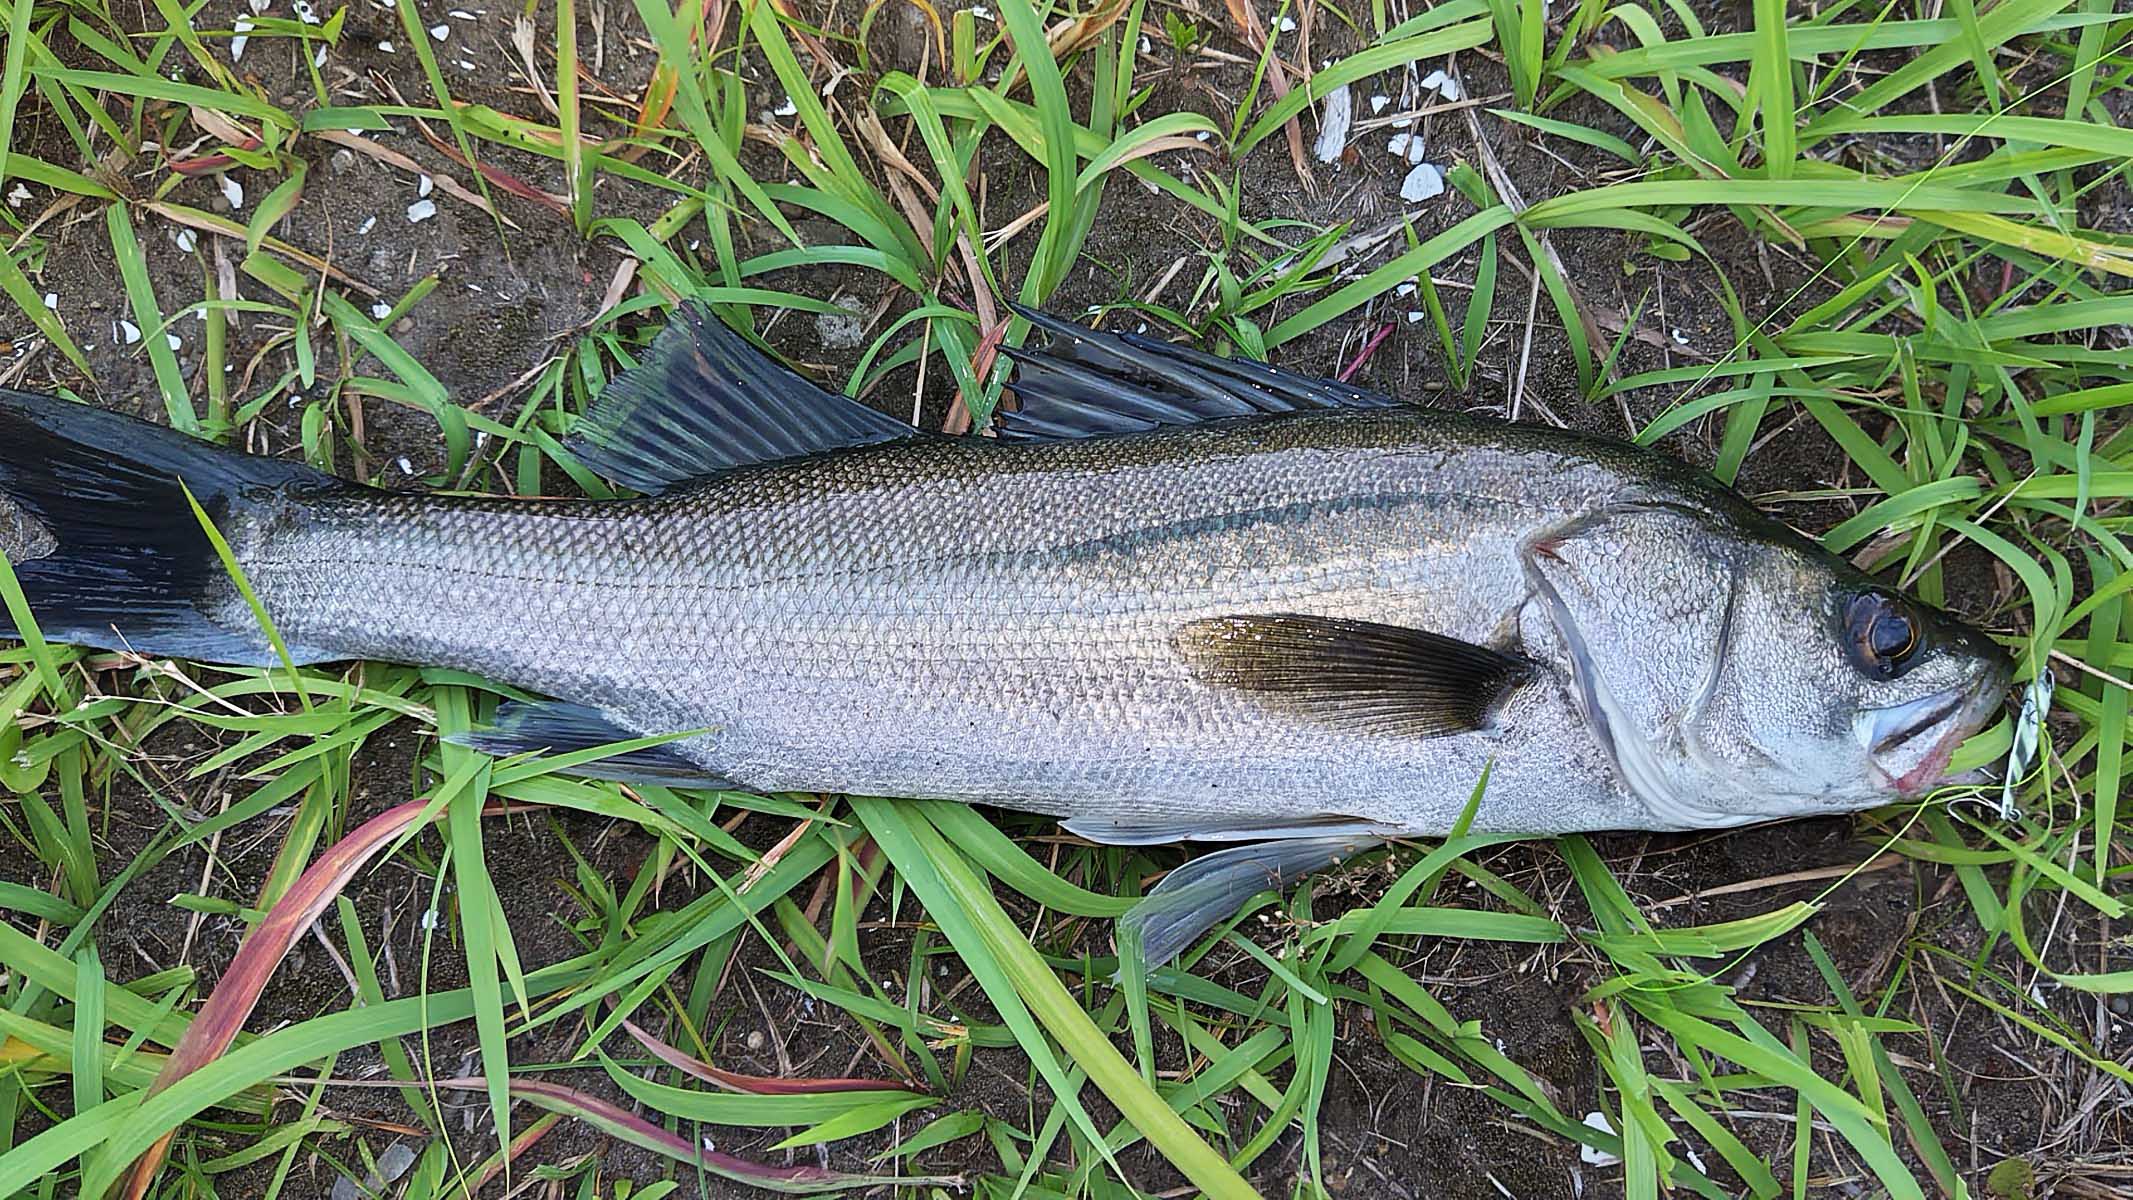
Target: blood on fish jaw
{"x":23,"y":538}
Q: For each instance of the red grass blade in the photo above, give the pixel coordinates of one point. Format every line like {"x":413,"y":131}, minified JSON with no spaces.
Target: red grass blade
{"x":761,"y":1085}
{"x":628,"y":1126}
{"x":230,"y":1004}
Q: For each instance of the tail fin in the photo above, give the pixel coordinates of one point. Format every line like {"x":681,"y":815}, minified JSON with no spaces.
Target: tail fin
{"x":109,"y":554}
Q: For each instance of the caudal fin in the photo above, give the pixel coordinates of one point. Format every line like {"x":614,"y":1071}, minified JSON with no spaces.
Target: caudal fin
{"x":94,"y":520}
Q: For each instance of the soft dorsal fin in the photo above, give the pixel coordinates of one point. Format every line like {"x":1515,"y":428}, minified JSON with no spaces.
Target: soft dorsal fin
{"x":1384,"y":679}
{"x":1085,"y":383}
{"x":704,"y":400}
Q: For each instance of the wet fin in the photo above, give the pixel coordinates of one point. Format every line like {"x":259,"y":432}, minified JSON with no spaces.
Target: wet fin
{"x":108,"y":551}
{"x":1360,"y":675}
{"x":1210,"y":889}
{"x":559,"y":727}
{"x":1161,"y":831}
{"x":1086,"y":383}
{"x":704,"y":400}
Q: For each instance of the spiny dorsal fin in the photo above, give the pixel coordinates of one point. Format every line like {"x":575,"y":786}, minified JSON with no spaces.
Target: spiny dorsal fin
{"x":1085,"y":383}
{"x":704,"y":400}
{"x":1361,"y":675}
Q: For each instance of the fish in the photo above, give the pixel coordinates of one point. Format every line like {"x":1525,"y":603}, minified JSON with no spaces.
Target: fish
{"x":1169,"y":597}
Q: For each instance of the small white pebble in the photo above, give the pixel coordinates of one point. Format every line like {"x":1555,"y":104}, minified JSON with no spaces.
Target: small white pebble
{"x":51,"y":301}
{"x":369,"y":223}
{"x":175,"y":342}
{"x":420,"y":211}
{"x":1413,"y":316}
{"x":423,"y":184}
{"x":1378,"y":103}
{"x":380,"y":311}
{"x":129,"y":332}
{"x":1680,"y":338}
{"x":440,"y":32}
{"x":1286,"y":25}
{"x":186,"y":239}
{"x":233,"y":192}
{"x":1202,"y":135}
{"x":1405,"y":289}
{"x":979,"y":12}
{"x":385,"y":47}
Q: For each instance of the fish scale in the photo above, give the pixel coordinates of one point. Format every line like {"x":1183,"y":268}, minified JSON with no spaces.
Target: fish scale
{"x":958,"y":622}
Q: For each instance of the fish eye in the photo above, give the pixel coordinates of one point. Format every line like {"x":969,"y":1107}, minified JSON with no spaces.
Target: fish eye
{"x":1881,"y":635}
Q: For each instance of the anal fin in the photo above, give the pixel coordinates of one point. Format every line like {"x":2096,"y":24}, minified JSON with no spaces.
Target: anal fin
{"x":1210,"y":889}
{"x":559,"y":727}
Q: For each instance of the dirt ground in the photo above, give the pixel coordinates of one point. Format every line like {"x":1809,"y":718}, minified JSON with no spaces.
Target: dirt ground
{"x":507,"y":296}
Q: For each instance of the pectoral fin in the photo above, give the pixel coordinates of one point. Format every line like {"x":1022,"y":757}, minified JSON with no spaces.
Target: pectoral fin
{"x":1355,"y":674}
{"x":1210,"y":889}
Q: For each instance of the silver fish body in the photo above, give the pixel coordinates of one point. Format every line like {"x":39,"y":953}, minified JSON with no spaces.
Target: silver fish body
{"x":994,"y":622}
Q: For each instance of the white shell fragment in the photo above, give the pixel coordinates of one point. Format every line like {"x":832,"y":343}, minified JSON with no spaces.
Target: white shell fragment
{"x":186,"y":240}
{"x":51,"y":301}
{"x":1378,"y":103}
{"x":1405,"y":145}
{"x":129,"y":333}
{"x":423,"y":184}
{"x":1590,"y":1156}
{"x":1425,"y":182}
{"x":240,"y":27}
{"x":175,"y":342}
{"x":1336,"y":115}
{"x":785,"y":108}
{"x":18,"y":195}
{"x":420,"y":211}
{"x":440,"y":31}
{"x":1285,"y":25}
{"x":385,"y":47}
{"x":369,"y":223}
{"x":380,"y":311}
{"x":1444,"y":85}
{"x":233,"y":192}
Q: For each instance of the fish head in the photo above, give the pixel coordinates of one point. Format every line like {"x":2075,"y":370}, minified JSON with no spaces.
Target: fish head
{"x":1736,"y":672}
{"x":1834,"y":692}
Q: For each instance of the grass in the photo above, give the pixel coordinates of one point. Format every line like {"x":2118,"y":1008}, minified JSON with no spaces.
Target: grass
{"x":1949,"y":327}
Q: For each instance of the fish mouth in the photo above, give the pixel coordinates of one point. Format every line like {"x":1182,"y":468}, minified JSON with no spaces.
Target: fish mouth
{"x":1908,"y":745}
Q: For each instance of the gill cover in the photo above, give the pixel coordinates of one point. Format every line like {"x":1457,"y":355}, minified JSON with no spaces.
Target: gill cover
{"x":1644,"y":607}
